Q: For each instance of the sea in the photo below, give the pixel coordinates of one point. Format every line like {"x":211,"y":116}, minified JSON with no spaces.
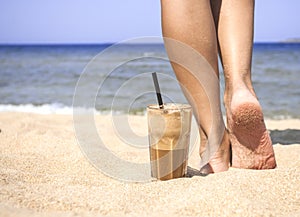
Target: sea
{"x":44,"y":78}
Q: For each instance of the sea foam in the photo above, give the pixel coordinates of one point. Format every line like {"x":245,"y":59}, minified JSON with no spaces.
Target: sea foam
{"x":54,"y":108}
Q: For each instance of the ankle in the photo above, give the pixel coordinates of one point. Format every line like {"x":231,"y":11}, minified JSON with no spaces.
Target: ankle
{"x":239,"y":82}
{"x":238,"y":92}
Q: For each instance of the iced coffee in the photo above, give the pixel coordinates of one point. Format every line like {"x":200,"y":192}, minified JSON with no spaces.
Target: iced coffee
{"x":169,"y":137}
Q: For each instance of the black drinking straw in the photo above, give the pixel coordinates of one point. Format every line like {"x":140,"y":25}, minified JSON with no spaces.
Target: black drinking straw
{"x":157,"y":89}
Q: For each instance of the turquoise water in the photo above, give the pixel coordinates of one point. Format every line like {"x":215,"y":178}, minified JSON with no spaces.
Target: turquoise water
{"x":43,"y":78}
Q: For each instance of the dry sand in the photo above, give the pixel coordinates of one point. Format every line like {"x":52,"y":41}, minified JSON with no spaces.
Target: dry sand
{"x":44,"y":173}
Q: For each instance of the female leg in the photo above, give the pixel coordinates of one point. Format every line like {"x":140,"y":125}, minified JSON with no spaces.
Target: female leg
{"x":250,"y":141}
{"x":191,"y":22}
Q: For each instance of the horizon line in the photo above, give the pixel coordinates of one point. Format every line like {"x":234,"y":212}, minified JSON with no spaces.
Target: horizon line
{"x":111,"y":43}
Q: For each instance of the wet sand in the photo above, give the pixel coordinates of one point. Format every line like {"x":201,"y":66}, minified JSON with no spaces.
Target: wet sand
{"x":44,"y":173}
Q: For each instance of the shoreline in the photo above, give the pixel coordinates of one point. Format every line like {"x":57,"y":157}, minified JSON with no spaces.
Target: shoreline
{"x":44,"y":173}
{"x":61,"y":109}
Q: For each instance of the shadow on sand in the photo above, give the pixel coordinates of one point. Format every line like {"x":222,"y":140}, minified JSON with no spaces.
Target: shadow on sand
{"x":285,"y":137}
{"x":193,"y":172}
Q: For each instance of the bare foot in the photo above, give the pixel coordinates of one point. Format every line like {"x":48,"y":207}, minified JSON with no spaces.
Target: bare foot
{"x":250,"y":141}
{"x":219,"y":162}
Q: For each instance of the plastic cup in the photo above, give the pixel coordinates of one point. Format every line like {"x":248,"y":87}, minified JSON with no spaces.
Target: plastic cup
{"x":169,"y":137}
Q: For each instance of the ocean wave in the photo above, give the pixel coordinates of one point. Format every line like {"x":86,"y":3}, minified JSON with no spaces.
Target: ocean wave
{"x":58,"y":108}
{"x":54,"y":108}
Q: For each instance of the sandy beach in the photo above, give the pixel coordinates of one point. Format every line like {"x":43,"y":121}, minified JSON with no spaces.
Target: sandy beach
{"x":44,"y":173}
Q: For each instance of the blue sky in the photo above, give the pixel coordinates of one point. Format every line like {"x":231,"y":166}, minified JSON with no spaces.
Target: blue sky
{"x":98,"y":21}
